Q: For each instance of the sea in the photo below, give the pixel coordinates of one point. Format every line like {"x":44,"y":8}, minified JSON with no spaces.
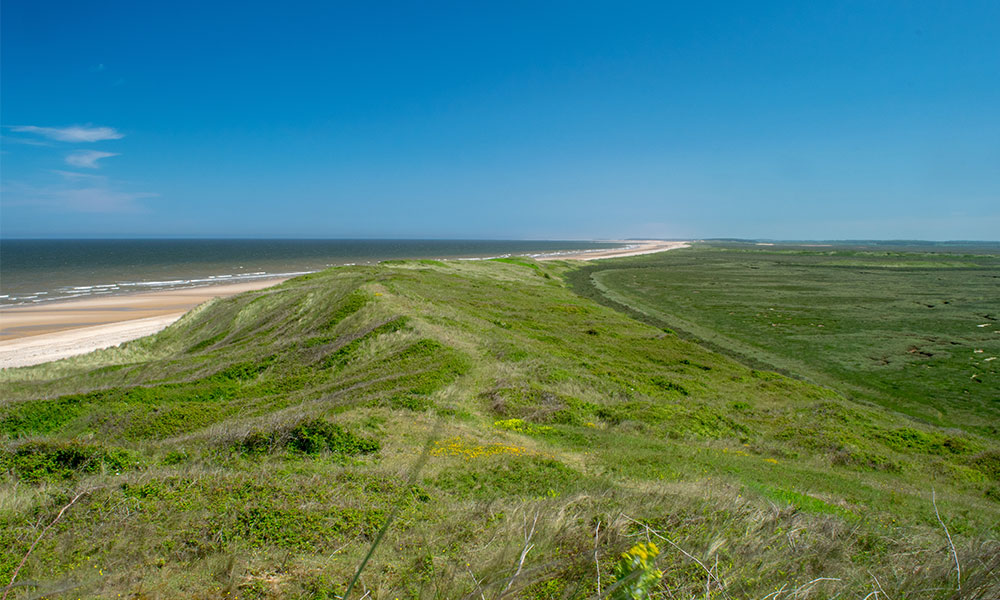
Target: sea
{"x":36,"y":271}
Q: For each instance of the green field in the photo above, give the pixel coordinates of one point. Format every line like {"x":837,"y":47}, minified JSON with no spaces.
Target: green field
{"x":511,"y":438}
{"x":917,"y":332}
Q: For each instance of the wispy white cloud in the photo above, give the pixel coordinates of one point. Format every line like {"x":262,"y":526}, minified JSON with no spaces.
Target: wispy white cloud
{"x":87,"y":159}
{"x":73,"y":133}
{"x":77,"y":192}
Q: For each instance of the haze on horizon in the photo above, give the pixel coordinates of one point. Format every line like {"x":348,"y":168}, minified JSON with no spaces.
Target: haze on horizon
{"x":785,"y":120}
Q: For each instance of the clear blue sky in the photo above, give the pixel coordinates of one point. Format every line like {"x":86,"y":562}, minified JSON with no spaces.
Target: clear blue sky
{"x":793,"y":120}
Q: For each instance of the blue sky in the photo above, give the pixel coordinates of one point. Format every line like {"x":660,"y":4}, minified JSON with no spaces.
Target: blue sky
{"x":791,"y":120}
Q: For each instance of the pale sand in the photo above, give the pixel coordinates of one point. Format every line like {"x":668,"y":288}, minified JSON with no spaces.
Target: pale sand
{"x":636,"y":248}
{"x":47,"y":347}
{"x":43,"y":332}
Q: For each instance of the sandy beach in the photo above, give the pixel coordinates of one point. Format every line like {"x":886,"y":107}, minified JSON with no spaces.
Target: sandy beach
{"x":40,"y":333}
{"x":633,"y":248}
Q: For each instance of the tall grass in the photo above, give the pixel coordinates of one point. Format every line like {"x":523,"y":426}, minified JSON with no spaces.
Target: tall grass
{"x":272,"y":441}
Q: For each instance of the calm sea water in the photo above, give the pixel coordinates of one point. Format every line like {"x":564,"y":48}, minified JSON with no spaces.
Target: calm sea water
{"x":34,"y":271}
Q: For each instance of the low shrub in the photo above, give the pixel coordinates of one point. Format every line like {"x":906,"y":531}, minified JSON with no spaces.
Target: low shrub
{"x":308,"y":437}
{"x":37,"y":461}
{"x":869,"y":461}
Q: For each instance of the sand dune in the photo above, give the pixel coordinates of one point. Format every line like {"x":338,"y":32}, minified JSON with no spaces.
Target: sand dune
{"x":30,"y":335}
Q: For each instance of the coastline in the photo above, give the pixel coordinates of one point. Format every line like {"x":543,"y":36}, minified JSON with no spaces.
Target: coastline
{"x":632,"y":248}
{"x":39,"y":333}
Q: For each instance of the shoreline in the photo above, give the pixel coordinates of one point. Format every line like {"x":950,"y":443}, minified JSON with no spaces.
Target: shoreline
{"x":44,"y":332}
{"x":632,"y":248}
{"x":49,"y":347}
{"x":28,"y":320}
{"x":40,"y":333}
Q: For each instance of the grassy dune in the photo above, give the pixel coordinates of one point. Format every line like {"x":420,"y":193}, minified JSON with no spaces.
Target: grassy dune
{"x":510,"y":437}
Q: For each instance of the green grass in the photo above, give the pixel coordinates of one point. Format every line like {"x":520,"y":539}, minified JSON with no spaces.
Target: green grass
{"x":915,"y":332}
{"x":255,"y":448}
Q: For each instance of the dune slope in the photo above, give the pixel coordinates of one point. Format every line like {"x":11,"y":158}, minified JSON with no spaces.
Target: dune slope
{"x":511,"y":437}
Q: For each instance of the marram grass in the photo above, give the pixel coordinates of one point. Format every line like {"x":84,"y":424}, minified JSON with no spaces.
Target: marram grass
{"x":258,"y":447}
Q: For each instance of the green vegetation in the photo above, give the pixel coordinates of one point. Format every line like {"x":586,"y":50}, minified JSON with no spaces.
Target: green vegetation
{"x":634,"y":576}
{"x":309,"y":437}
{"x":512,"y":439}
{"x":916,"y":332}
{"x":34,"y":461}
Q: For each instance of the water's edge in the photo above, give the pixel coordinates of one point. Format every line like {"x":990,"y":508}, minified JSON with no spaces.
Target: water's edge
{"x":41,"y":271}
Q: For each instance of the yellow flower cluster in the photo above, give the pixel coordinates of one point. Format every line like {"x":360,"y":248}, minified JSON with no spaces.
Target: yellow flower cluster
{"x":643,"y":552}
{"x":456,"y":446}
{"x":520,"y":426}
{"x":636,"y":573}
